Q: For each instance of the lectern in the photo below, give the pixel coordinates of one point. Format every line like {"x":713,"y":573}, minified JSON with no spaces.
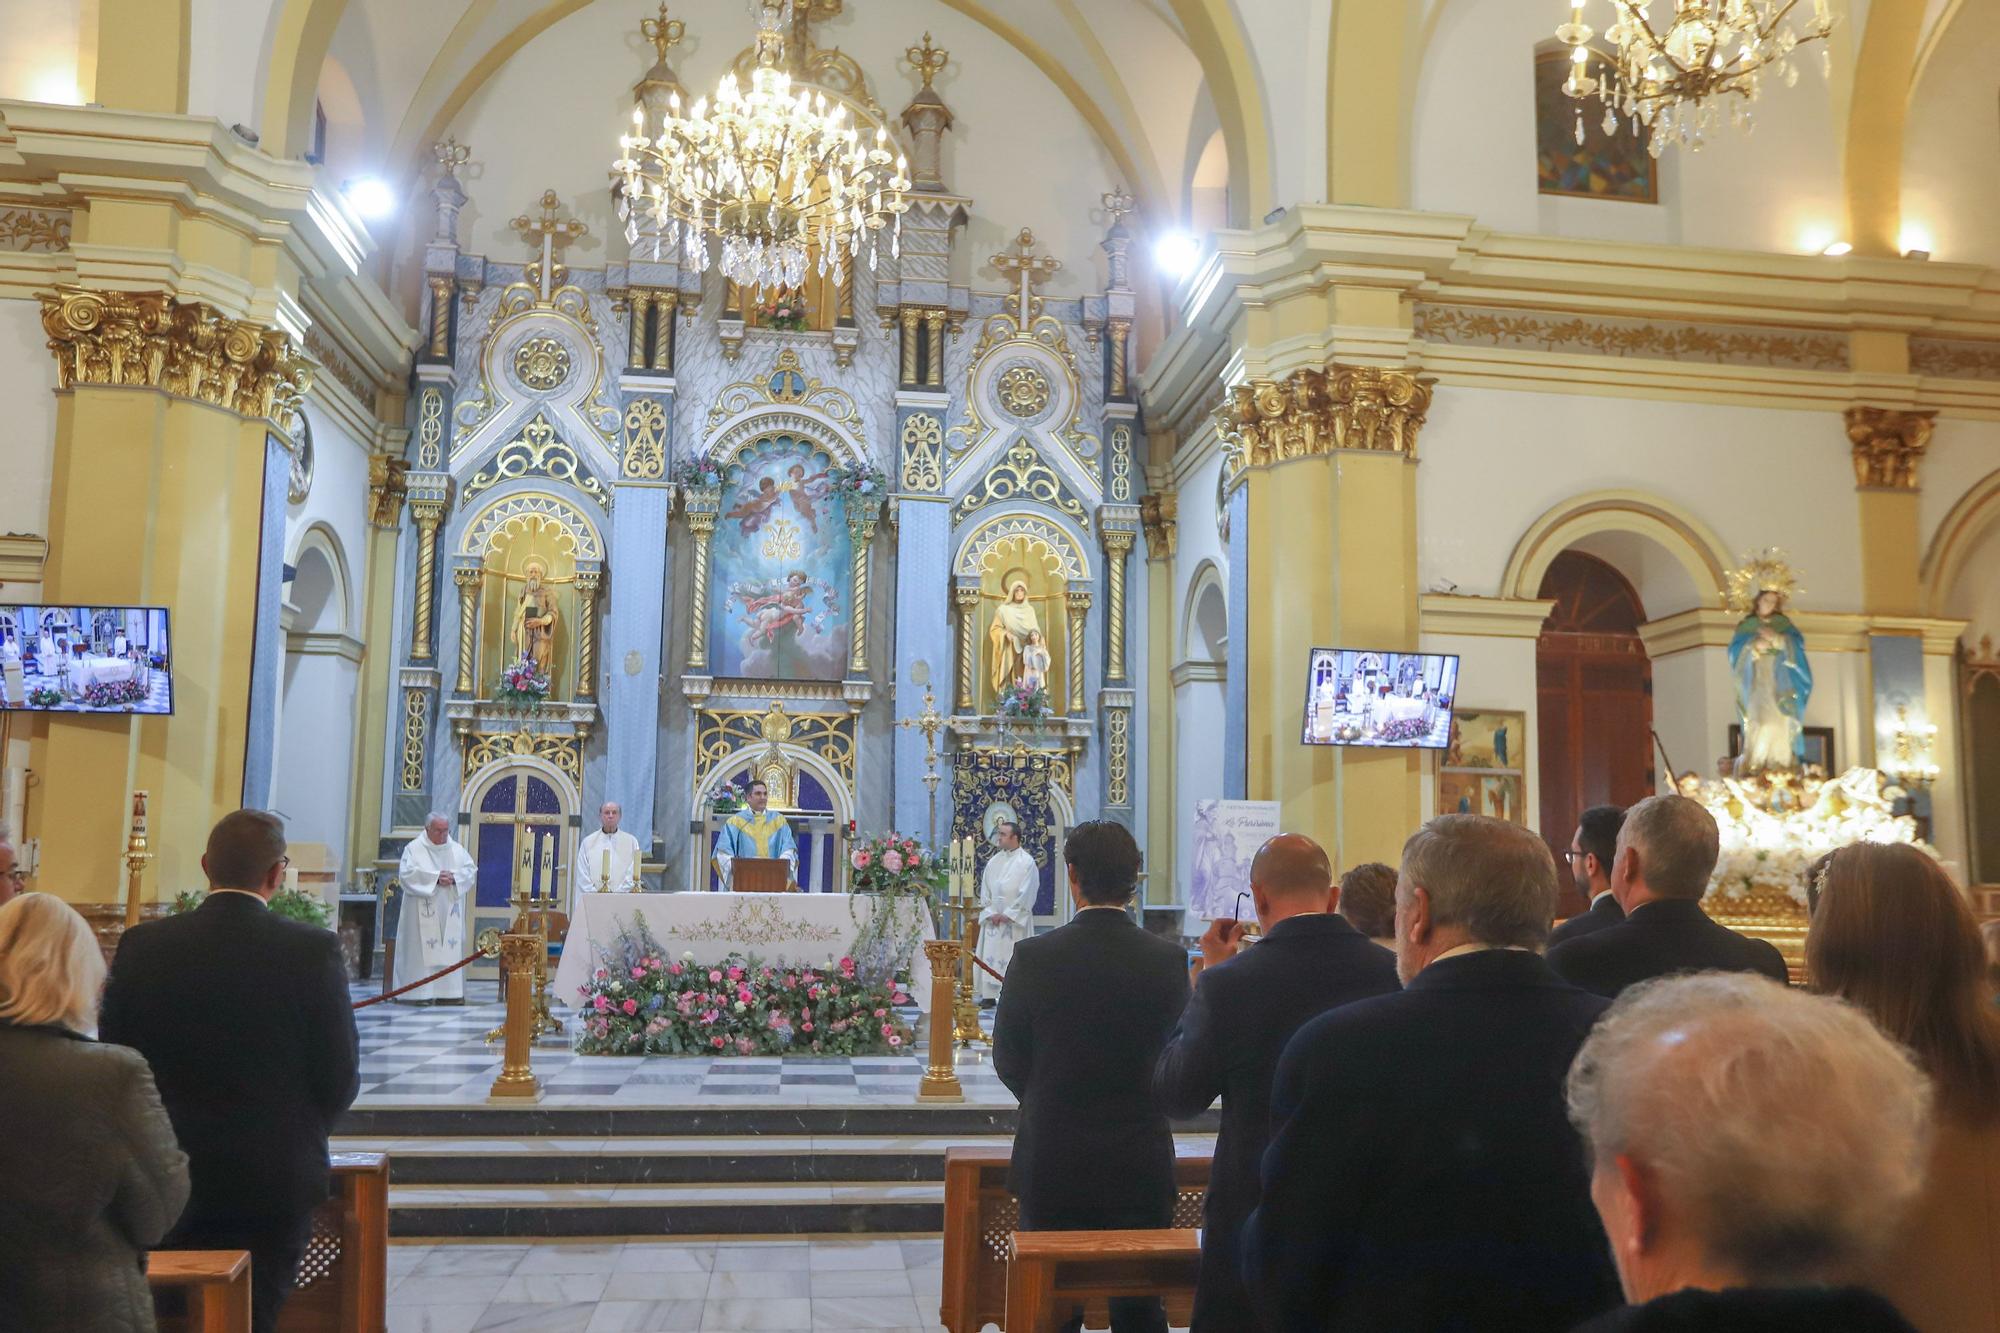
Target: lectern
{"x":760,"y":874}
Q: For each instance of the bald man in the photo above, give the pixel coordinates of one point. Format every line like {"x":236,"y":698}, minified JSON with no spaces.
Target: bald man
{"x":1246,"y":1006}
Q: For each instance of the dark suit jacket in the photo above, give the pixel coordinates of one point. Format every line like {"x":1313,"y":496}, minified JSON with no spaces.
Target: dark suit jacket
{"x":1757,"y":1310}
{"x":245,"y":1020}
{"x":1657,"y":940}
{"x":1604,"y":912}
{"x":1422,"y":1173}
{"x":1083,"y":1014}
{"x":1242,"y":1014}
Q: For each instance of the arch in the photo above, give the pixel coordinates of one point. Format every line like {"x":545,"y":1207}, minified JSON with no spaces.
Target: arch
{"x":474,"y":789}
{"x":1876,"y":115}
{"x":759,"y":423}
{"x":1686,"y":538}
{"x":1073,"y":565}
{"x":1207,"y":583}
{"x":797,"y":756}
{"x":1236,"y":89}
{"x":1208,"y":186}
{"x":321,"y":540}
{"x":507,"y":511}
{"x":1955,"y":540}
{"x":300,"y":37}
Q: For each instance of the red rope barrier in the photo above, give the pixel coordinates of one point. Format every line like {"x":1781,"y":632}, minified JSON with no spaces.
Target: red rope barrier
{"x":467,"y":961}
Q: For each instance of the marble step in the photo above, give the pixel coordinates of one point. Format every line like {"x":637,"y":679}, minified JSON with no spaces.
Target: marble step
{"x":577,"y":1122}
{"x":789,"y":1208}
{"x":747,"y":1159}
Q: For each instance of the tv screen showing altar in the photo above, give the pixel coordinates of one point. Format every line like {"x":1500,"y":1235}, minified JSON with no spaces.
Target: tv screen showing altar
{"x":1355,"y":696}
{"x":86,"y":659}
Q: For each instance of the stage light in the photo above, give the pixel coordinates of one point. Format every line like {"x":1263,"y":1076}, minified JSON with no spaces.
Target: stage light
{"x":1175,"y":253}
{"x":371,"y":196}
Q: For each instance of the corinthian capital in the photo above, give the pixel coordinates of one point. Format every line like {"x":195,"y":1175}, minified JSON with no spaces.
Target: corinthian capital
{"x":1888,"y":444}
{"x":1312,"y":412}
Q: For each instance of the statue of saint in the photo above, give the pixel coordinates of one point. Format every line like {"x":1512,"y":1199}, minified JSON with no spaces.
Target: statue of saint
{"x":1013,"y":621}
{"x":1035,"y":662}
{"x":535,"y":619}
{"x":1767,"y":657}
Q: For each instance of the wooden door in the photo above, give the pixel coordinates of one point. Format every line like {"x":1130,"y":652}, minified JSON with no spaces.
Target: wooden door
{"x":1594,"y":694}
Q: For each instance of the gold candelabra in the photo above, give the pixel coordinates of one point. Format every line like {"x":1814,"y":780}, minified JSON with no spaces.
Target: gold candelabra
{"x":532,"y":904}
{"x":136,"y":856}
{"x":930,"y":722}
{"x":961,"y":924}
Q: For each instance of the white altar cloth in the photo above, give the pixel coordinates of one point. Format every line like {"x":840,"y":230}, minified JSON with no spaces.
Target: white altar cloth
{"x":809,"y":929}
{"x":101,"y":671}
{"x":1398,"y":708}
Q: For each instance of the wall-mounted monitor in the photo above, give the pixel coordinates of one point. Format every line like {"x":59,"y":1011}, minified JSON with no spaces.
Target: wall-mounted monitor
{"x":1360,"y":696}
{"x":86,"y":659}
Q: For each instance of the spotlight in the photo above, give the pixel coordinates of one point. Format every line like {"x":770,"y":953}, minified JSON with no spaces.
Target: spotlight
{"x":1175,"y":253}
{"x":1915,"y":241}
{"x":1837,"y":249}
{"x":371,"y":196}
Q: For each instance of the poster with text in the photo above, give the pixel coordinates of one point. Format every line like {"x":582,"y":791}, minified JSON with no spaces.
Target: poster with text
{"x":1226,"y":835}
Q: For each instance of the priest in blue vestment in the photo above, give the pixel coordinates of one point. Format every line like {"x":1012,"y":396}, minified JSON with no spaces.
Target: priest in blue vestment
{"x":757,"y":831}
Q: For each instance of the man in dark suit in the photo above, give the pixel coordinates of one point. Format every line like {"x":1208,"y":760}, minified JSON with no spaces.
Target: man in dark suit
{"x":1666,"y":852}
{"x":1592,"y":848}
{"x":1083,"y":1014}
{"x":1245,"y":1008}
{"x":244,"y":1018}
{"x":1422,"y":1173}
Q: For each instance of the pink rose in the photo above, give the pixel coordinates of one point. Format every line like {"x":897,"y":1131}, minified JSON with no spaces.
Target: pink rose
{"x":715,"y":976}
{"x":916,"y":857}
{"x":888,"y":1031}
{"x":638,"y":974}
{"x":736,"y":974}
{"x":716,"y":1042}
{"x":892,"y":860}
{"x":601,"y":974}
{"x":847,"y":964}
{"x":743,"y":994}
{"x":631,"y":1006}
{"x":861,"y":859}
{"x":806,"y":1026}
{"x":673,"y":969}
{"x":895,"y":1040}
{"x":743,"y":1046}
{"x":879,"y":1013}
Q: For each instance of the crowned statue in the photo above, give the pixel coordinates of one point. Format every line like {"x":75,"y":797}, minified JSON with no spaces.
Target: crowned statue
{"x":1014,"y":621}
{"x":535,"y":618}
{"x":1767,"y":659}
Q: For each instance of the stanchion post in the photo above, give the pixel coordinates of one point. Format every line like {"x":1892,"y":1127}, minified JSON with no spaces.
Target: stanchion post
{"x":516,"y":1078}
{"x":940,"y":1082}
{"x":136,"y":856}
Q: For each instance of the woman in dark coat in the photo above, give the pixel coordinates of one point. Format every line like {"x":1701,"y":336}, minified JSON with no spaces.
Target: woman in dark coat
{"x":90,"y":1174}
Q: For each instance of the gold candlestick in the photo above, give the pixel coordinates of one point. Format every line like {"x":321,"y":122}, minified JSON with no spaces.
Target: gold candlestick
{"x":516,"y":1078}
{"x":136,"y":857}
{"x":940,"y":1082}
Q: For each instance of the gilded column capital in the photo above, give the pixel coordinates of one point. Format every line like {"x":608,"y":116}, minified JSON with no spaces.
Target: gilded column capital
{"x":1312,"y":412}
{"x":386,"y":488}
{"x":187,"y":349}
{"x":428,"y":513}
{"x":1888,"y":443}
{"x":1118,"y":542}
{"x":468,"y":576}
{"x":1159,"y":519}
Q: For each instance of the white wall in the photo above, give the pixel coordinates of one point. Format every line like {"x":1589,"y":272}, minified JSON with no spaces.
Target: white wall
{"x":1951,"y":142}
{"x":38,"y":56}
{"x":1493,"y":674}
{"x":1962,"y":454}
{"x":27,"y":381}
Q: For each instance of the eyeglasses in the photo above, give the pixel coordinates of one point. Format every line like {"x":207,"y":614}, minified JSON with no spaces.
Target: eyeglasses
{"x":1576,"y":853}
{"x":17,"y":874}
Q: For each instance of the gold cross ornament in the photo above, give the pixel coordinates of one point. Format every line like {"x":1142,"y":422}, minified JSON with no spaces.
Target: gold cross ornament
{"x":1027,"y":269}
{"x":548,"y":234}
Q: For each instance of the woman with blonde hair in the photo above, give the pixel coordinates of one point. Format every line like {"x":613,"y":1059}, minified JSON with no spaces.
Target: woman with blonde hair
{"x":1893,"y":935}
{"x":90,"y":1173}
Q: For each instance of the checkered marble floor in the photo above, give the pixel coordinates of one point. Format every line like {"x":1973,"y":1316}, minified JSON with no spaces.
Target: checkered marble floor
{"x":438,"y":1055}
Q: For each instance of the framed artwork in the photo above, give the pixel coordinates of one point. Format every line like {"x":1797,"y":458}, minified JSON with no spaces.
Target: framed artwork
{"x":1819,"y":746}
{"x":782,"y":563}
{"x":1603,"y":166}
{"x":1484,"y":770}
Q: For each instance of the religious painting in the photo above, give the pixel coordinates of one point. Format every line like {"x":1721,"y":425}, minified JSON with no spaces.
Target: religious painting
{"x":783,"y":561}
{"x":1473,"y":792}
{"x":1601,"y":165}
{"x":1022,"y":634}
{"x":1482,"y":739}
{"x":1227,"y":835}
{"x":1484,"y":768}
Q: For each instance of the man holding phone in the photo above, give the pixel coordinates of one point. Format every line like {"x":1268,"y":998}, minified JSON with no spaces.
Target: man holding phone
{"x":1244,"y":1009}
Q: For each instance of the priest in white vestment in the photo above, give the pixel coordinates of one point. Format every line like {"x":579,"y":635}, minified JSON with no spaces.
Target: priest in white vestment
{"x":437,"y":875}
{"x":1006,"y":904}
{"x":609,"y":859}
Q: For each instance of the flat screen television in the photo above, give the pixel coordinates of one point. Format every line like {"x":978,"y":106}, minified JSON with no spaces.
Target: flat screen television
{"x":1360,"y":696}
{"x":86,"y":659}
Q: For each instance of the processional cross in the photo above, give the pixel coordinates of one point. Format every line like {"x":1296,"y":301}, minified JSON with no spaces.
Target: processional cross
{"x":549,"y":234}
{"x":1027,"y":269}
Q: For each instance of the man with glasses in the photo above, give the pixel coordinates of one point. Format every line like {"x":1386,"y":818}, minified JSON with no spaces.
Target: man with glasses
{"x":1592,"y":848}
{"x":245,"y":1020}
{"x":12,"y":877}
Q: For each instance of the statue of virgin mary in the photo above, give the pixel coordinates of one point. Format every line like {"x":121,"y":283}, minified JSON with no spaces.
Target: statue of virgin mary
{"x":1767,"y":659}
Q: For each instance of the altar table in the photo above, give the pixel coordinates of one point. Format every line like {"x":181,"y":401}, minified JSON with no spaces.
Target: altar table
{"x":89,"y":671}
{"x":803,"y":929}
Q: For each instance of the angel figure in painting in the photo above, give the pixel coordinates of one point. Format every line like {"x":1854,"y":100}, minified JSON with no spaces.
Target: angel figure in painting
{"x":805,"y":491}
{"x":1767,"y":659}
{"x":535,"y":618}
{"x":1013,"y":621}
{"x":753,"y":507}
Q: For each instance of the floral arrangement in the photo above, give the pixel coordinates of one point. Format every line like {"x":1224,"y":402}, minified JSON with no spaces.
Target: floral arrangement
{"x":866,"y":481}
{"x":113,"y":693}
{"x":696,"y":472}
{"x":897,"y":868}
{"x":728,"y":799}
{"x":639,"y":1002}
{"x":895,"y":865}
{"x":784,"y":310}
{"x":523,"y":683}
{"x":1026,"y":702}
{"x":1771,"y":833}
{"x":187,"y":900}
{"x":45,"y":696}
{"x":1402,"y":729}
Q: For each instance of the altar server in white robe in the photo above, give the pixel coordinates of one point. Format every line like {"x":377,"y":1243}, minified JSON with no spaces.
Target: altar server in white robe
{"x":437,"y":875}
{"x":1006,"y":904}
{"x":609,"y":859}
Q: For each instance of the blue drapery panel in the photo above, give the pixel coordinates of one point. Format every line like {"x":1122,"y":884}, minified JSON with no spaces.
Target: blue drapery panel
{"x":988,"y":786}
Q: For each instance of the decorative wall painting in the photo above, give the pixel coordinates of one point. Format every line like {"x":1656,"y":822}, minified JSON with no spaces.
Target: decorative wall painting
{"x":1484,"y":770}
{"x":1604,"y":166}
{"x":783,"y":561}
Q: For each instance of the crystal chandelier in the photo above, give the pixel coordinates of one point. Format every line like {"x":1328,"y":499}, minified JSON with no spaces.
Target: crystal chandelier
{"x":1668,"y":80}
{"x":779,"y":181}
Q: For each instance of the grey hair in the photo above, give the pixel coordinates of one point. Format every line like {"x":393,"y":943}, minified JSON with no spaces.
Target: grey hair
{"x":434,"y":816}
{"x":1678,"y":844}
{"x":1494,"y":878}
{"x":1783,"y":1125}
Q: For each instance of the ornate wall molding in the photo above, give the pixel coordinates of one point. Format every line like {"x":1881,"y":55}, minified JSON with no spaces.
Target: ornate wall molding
{"x":723,"y":733}
{"x":536,"y":452}
{"x":339,"y":365}
{"x":923,"y":453}
{"x":1021,"y":475}
{"x":788,"y":385}
{"x":972,"y":553}
{"x":645,"y":455}
{"x":503,"y":513}
{"x":430,"y":428}
{"x":32,"y":230}
{"x":187,"y":349}
{"x":1955,"y":358}
{"x":386,"y":488}
{"x":1312,"y":412}
{"x":1159,"y":519}
{"x":483,"y":748}
{"x":1610,"y":335}
{"x":1888,"y":444}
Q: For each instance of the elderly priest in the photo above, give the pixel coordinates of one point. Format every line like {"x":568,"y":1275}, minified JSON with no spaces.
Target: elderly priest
{"x":758,"y":831}
{"x":608,"y":861}
{"x":437,"y":874}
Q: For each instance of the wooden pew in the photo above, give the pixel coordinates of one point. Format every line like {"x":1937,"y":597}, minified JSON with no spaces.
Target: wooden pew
{"x":1051,"y":1273}
{"x":980,"y":1217}
{"x":343,"y":1278}
{"x":212,"y":1287}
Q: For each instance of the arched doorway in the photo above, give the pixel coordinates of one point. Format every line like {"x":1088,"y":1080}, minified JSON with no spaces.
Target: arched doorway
{"x":1594,"y":693}
{"x":322,"y":674}
{"x":1200,"y":680}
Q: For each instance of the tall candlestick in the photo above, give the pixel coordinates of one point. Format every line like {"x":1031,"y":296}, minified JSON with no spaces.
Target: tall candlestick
{"x":604,"y":880}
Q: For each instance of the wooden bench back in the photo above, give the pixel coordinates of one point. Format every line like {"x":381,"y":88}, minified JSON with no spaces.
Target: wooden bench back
{"x":343,"y":1278}
{"x":980,"y":1217}
{"x":200,"y":1291}
{"x":1051,"y":1273}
